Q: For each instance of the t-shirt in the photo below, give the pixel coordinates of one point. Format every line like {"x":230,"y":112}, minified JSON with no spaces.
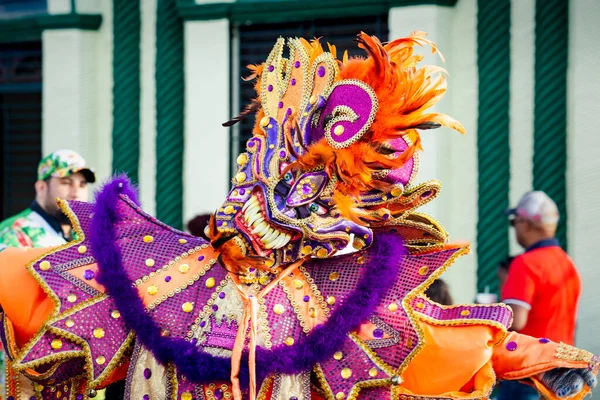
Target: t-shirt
{"x":31,"y":228}
{"x":545,"y":281}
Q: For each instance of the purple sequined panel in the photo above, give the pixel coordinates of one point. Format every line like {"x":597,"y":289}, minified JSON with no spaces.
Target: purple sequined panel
{"x":164,"y":247}
{"x":53,"y":268}
{"x":494,"y":313}
{"x":170,"y":315}
{"x":348,"y":366}
{"x":60,"y":391}
{"x":380,"y":393}
{"x":416,"y":269}
{"x":50,"y":344}
{"x":186,"y":388}
{"x":337,"y":277}
{"x":97,"y":325}
{"x":283,"y":323}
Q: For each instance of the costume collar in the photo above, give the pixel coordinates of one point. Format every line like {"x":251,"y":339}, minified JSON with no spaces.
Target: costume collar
{"x":52,"y":221}
{"x":543,"y":243}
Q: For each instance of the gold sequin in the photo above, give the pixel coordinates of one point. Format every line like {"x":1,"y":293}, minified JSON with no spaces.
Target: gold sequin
{"x":464,"y":313}
{"x":306,"y":250}
{"x":346,"y":373}
{"x":69,"y":323}
{"x":338,"y":355}
{"x":45,"y":265}
{"x":152,"y":290}
{"x":242,"y":159}
{"x":187,"y":307}
{"x":182,"y":241}
{"x":396,"y":192}
{"x":100,"y":360}
{"x":240,"y":177}
{"x":38,"y":387}
{"x":340,"y":396}
{"x":56,"y":344}
{"x":334,"y":276}
{"x":358,"y":243}
{"x":229,"y":210}
{"x":338,"y":130}
{"x":115,"y":314}
{"x":278,"y":309}
{"x":373,"y":372}
{"x":71,"y":298}
{"x":265,"y":121}
{"x":322,"y":253}
{"x":82,"y":249}
{"x":298,"y":284}
{"x":331,"y":300}
{"x":210,"y":282}
{"x":420,"y":305}
{"x":149,"y":262}
{"x":423,"y":270}
{"x":186,"y":396}
{"x":289,"y":340}
{"x":312,"y":312}
{"x":393,"y":307}
{"x":184,"y":268}
{"x":269,"y":263}
{"x":99,"y":333}
{"x":313,"y":99}
{"x":148,"y":239}
{"x":263,"y":280}
{"x":360,"y":260}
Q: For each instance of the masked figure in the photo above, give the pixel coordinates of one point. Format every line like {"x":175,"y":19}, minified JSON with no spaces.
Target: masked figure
{"x":267,"y":310}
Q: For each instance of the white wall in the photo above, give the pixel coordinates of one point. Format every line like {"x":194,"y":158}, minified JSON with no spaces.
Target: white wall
{"x":147,"y":171}
{"x":521,"y":103}
{"x":583,"y":162}
{"x":449,"y":156}
{"x":207,"y":82}
{"x":77,"y":94}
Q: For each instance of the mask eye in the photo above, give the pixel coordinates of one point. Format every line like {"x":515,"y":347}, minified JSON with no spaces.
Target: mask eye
{"x":317,"y":209}
{"x":288,"y":178}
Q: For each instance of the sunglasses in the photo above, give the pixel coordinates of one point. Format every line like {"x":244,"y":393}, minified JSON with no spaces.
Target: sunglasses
{"x":515,"y":221}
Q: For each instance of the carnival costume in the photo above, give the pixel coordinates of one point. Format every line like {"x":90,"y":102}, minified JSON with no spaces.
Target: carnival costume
{"x":266,"y":310}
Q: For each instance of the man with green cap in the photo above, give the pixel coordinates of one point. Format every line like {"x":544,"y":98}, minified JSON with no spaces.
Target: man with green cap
{"x":63,"y":174}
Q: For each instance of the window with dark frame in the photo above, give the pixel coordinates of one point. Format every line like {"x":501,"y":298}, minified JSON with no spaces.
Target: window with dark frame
{"x":20,"y":124}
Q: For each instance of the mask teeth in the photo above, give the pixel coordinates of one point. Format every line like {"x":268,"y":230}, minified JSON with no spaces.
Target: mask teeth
{"x":270,"y":237}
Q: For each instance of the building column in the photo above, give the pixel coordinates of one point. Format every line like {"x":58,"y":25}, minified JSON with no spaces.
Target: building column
{"x":147,"y":171}
{"x":207,"y":106}
{"x":583,"y":172}
{"x":448,"y":156}
{"x":77,"y":85}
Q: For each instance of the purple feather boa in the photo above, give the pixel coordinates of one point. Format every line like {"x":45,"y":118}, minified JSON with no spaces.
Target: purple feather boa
{"x":200,"y":367}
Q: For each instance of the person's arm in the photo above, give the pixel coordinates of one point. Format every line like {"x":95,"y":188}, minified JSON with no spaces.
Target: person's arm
{"x":518,"y":292}
{"x":520,"y":315}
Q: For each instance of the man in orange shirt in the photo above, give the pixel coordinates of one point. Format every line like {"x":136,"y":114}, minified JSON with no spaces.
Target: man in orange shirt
{"x":543,"y":285}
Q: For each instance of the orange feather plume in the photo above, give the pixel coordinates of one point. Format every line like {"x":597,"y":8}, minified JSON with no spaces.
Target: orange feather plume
{"x":404,"y":92}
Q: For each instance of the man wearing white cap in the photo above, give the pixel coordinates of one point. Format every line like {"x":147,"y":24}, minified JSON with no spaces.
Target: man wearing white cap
{"x":543,"y":285}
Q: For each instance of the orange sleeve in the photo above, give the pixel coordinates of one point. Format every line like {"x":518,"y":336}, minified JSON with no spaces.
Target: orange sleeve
{"x":520,"y":284}
{"x":522,"y":357}
{"x":21,"y":297}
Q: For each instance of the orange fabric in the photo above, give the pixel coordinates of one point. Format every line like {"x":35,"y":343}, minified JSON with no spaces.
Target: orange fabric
{"x":475,"y":362}
{"x":21,"y":297}
{"x":547,"y":280}
{"x":464,"y":350}
{"x":529,"y":360}
{"x":530,"y":357}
